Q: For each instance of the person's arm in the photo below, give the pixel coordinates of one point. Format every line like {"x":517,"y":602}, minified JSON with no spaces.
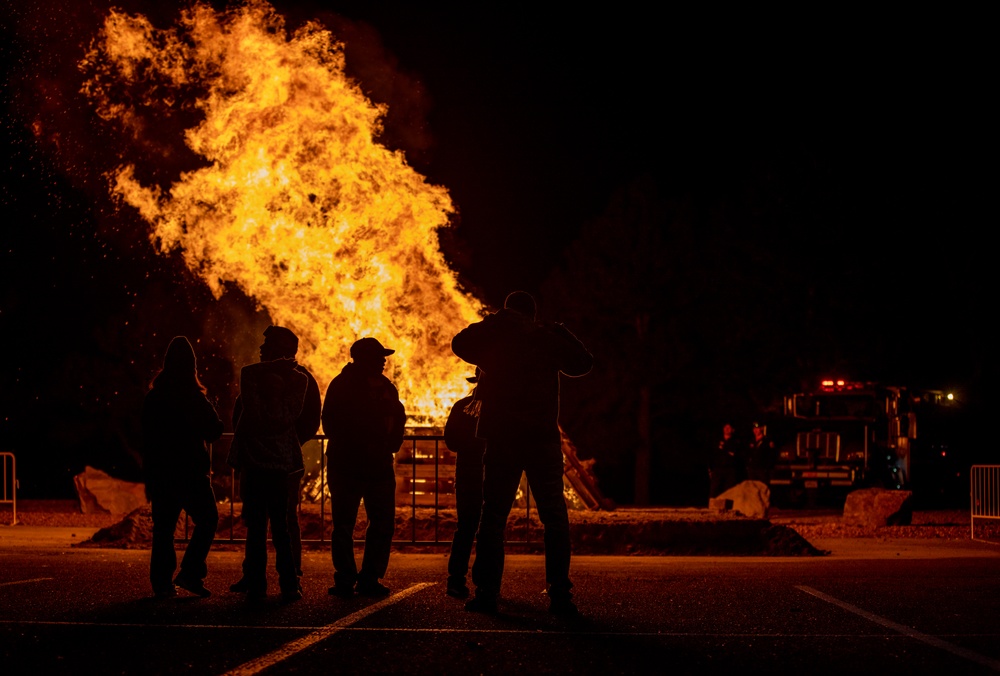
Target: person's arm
{"x":237,"y":411}
{"x":453,"y":427}
{"x":308,"y":423}
{"x":473,"y":342}
{"x":334,"y":408}
{"x":211,"y":424}
{"x":399,"y":423}
{"x":574,"y":359}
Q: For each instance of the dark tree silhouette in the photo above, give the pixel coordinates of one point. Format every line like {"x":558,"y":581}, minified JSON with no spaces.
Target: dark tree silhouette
{"x":681,"y":315}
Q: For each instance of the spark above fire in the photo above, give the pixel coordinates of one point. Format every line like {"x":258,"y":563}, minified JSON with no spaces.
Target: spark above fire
{"x":297,"y":203}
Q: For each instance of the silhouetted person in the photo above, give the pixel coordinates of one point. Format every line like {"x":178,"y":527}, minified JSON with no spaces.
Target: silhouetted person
{"x":518,"y":393}
{"x":282,"y":343}
{"x":364,"y":422}
{"x":762,"y":456}
{"x":727,"y":463}
{"x":460,"y":436}
{"x":266,"y":451}
{"x":177,"y":420}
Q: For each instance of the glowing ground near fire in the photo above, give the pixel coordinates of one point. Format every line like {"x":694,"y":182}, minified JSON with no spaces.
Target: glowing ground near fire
{"x":297,"y":203}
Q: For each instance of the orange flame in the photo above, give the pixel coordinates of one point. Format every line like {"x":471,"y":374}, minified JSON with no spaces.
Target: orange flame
{"x":332,"y":233}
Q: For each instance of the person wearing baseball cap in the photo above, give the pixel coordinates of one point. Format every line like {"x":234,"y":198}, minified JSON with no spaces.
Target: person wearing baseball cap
{"x":364,"y":422}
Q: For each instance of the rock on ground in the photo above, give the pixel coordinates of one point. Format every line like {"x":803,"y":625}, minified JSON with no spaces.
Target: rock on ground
{"x":878,"y":507}
{"x":100,"y":492}
{"x":135,"y":531}
{"x":750,"y":498}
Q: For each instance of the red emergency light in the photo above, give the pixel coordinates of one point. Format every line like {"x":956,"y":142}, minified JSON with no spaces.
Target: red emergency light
{"x":831,"y":385}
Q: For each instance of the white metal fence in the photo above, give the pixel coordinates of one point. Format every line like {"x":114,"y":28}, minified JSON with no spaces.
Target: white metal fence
{"x":984,"y":495}
{"x":8,"y":491}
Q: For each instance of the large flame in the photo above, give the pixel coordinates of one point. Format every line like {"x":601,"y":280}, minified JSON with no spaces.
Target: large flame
{"x":332,"y":233}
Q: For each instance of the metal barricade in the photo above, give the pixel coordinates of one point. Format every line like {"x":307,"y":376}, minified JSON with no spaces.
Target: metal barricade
{"x":411,"y":464}
{"x":984,"y":495}
{"x":8,"y":492}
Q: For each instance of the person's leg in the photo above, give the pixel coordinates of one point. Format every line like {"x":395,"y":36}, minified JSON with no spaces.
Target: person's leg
{"x":380,"y":505}
{"x":166,"y":509}
{"x":501,"y":475}
{"x":545,"y":478}
{"x":277,"y":516}
{"x":469,"y":506}
{"x":345,"y":499}
{"x":253,"y":489}
{"x":294,"y":531}
{"x":199,"y":503}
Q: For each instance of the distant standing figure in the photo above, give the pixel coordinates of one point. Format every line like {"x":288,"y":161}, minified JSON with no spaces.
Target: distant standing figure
{"x":266,"y":451}
{"x":727,"y":462}
{"x":460,"y":436}
{"x":762,"y":456}
{"x":177,"y":420}
{"x":282,"y":343}
{"x":518,"y":391}
{"x":364,"y":422}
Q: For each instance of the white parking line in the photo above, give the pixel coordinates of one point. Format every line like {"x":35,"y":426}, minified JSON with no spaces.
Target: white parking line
{"x":34,"y":579}
{"x":152,"y":625}
{"x":436,"y":630}
{"x":300,"y":644}
{"x":907,"y":631}
{"x":470,"y":630}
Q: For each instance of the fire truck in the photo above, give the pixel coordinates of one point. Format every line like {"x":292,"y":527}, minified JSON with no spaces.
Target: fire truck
{"x":846,"y":435}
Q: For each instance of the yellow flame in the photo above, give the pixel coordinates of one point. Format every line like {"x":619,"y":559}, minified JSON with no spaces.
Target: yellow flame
{"x":332,"y":233}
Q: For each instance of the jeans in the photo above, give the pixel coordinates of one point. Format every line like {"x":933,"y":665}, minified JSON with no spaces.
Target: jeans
{"x":505,"y":460}
{"x":194,"y":496}
{"x":265,"y":500}
{"x":379,"y":494}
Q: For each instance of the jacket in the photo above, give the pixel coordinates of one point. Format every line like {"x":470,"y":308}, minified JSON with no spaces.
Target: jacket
{"x":521,"y":361}
{"x":175,"y":427}
{"x":307,"y":423}
{"x":272,"y":394}
{"x":363,"y":420}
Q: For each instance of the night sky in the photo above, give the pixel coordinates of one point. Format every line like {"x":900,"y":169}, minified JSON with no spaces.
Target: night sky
{"x":824,"y":177}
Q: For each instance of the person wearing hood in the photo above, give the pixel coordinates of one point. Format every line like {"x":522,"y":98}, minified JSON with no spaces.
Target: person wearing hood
{"x":521,"y":362}
{"x":266,"y":452}
{"x":177,"y":421}
{"x":364,"y":422}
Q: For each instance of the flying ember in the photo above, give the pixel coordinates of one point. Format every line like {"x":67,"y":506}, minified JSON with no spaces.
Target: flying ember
{"x":296,"y":203}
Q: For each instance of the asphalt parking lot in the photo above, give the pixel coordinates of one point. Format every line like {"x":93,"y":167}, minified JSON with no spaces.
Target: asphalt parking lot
{"x":871,"y":606}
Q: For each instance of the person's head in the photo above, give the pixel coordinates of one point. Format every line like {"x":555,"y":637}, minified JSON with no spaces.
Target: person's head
{"x":522,"y":303}
{"x":727,"y":431}
{"x":180,"y":366}
{"x":369,"y":354}
{"x":279,"y":343}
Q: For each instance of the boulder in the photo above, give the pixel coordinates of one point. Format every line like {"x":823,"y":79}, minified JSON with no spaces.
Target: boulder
{"x":101,"y":493}
{"x":750,"y":498}
{"x":878,"y":507}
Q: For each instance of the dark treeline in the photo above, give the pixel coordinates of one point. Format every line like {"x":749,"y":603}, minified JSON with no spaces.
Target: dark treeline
{"x":702,"y":309}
